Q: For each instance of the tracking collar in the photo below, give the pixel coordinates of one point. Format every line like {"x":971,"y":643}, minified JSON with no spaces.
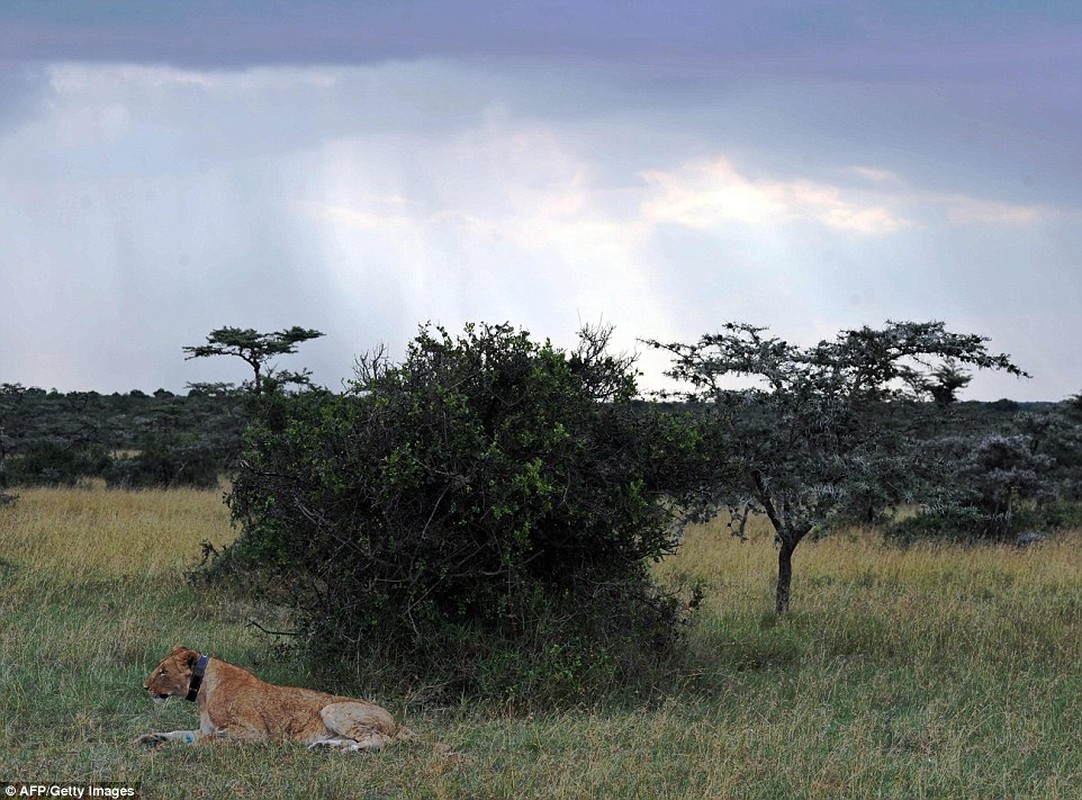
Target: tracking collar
{"x":197,"y":678}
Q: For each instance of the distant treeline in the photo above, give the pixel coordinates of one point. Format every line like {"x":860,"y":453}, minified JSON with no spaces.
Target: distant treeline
{"x":133,"y":440}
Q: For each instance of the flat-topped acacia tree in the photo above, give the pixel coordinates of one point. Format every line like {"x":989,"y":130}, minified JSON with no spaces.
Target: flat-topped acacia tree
{"x":825,"y":435}
{"x":257,"y":349}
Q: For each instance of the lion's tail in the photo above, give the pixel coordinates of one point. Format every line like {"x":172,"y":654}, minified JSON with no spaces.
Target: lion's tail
{"x":404,"y":734}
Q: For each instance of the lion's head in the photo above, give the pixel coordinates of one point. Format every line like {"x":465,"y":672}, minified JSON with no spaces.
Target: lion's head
{"x":172,"y":676}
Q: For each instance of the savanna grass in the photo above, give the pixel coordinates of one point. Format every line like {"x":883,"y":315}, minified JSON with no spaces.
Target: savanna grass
{"x":928,"y":672}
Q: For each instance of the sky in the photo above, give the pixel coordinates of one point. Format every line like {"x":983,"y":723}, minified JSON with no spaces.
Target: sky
{"x":363,"y":168}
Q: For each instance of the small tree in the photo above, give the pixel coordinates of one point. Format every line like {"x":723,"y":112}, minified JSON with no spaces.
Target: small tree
{"x":257,"y":350}
{"x":827,"y":433}
{"x":946,"y":380}
{"x":1001,"y":473}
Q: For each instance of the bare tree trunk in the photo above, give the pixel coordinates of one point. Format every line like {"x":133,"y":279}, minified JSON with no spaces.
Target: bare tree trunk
{"x":785,"y":574}
{"x":788,"y":542}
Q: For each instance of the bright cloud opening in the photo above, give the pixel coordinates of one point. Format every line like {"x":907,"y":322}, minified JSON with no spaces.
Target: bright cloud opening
{"x":705,"y":195}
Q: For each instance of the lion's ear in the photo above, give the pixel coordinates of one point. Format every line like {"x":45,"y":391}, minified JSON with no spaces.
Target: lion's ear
{"x":187,"y":656}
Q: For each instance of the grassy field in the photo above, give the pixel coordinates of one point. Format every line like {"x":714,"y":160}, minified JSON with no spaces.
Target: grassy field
{"x":920,"y":673}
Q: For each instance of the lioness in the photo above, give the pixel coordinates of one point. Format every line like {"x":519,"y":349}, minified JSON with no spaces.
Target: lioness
{"x":235,"y":704}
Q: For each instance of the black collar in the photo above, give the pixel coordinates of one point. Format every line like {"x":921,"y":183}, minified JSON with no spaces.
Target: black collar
{"x":197,"y":678}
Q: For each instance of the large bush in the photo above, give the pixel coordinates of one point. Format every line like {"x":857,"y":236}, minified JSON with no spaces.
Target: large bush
{"x":480,"y":517}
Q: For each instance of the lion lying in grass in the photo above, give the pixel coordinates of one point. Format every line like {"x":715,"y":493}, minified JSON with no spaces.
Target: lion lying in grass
{"x":234,"y":704}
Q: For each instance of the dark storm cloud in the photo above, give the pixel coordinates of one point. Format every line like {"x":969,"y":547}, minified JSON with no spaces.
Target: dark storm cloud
{"x":828,"y":37}
{"x":988,"y":87}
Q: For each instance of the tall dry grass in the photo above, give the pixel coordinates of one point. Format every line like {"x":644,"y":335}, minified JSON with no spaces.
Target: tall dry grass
{"x":87,"y":532}
{"x":929,"y":605}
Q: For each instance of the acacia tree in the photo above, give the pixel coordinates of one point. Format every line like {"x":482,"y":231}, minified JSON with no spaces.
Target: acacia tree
{"x":827,"y":434}
{"x":257,"y":349}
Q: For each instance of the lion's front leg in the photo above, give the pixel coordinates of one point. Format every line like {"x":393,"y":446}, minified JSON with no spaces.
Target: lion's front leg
{"x":156,"y":739}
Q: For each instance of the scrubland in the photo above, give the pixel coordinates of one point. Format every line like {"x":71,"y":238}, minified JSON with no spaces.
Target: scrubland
{"x":924,"y":672}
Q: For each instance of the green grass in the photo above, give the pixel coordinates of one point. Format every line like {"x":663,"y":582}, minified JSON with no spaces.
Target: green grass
{"x":929,"y":672}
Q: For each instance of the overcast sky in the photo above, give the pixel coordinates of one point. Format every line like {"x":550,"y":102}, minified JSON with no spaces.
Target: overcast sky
{"x":361,"y":168}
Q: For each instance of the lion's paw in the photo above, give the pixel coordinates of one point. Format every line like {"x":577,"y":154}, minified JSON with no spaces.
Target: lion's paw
{"x":151,"y":740}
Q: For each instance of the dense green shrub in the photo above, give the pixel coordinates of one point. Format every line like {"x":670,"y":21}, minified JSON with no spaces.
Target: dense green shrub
{"x":481,"y":516}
